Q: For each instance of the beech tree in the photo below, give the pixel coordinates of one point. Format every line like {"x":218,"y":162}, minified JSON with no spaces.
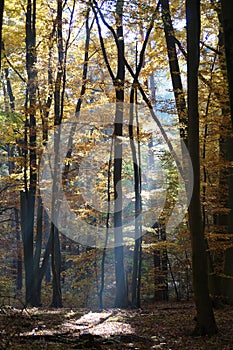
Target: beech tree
{"x":205,"y":317}
{"x":1,"y":20}
{"x":118,"y":82}
{"x":227,"y":17}
{"x":174,"y":69}
{"x":28,"y":197}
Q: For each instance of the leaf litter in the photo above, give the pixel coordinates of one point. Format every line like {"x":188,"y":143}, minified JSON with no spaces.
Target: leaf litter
{"x":155,"y":326}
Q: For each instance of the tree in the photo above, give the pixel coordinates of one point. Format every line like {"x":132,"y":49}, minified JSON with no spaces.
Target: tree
{"x":28,"y":197}
{"x":205,"y":317}
{"x":58,"y":114}
{"x":174,"y":68}
{"x":11,"y":150}
{"x":121,"y":297}
{"x":118,"y":82}
{"x":227,"y":21}
{"x":227,"y":18}
{"x":1,"y":22}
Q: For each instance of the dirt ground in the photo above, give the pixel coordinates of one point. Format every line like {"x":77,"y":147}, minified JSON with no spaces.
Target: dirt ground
{"x":155,"y":326}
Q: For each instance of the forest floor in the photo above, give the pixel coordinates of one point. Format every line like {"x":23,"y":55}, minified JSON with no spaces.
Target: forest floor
{"x":155,"y":326}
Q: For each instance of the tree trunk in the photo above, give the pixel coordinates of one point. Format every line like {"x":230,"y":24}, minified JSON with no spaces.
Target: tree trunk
{"x":15,"y":212}
{"x":27,"y":219}
{"x":138,"y":205}
{"x":1,"y":22}
{"x":174,"y":69}
{"x":28,"y":198}
{"x":121,"y":295}
{"x":58,"y":113}
{"x":160,"y":265}
{"x":38,"y":247}
{"x":222,"y":286}
{"x":19,"y":269}
{"x":227,"y":22}
{"x":205,"y":317}
{"x":56,"y":268}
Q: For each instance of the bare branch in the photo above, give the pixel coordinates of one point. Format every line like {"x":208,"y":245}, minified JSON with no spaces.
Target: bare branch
{"x":102,"y":44}
{"x":14,"y":69}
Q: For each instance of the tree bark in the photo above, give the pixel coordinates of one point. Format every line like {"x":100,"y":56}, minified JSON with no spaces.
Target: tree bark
{"x":28,"y":198}
{"x":11,"y":166}
{"x":227,"y":21}
{"x":205,"y":323}
{"x":1,"y":22}
{"x":26,"y":213}
{"x":174,"y":69}
{"x":58,"y":113}
{"x":121,"y":295}
{"x":138,"y":205}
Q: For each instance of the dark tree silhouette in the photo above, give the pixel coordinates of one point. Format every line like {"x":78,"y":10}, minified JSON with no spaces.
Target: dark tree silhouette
{"x":205,"y":323}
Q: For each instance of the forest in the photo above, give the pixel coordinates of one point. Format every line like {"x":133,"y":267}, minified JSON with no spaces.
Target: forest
{"x":116,"y":174}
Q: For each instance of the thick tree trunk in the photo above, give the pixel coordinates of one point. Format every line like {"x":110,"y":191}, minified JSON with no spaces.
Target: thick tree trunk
{"x":227,"y":23}
{"x":28,"y":198}
{"x":205,"y":317}
{"x":121,"y":295}
{"x":223,"y":286}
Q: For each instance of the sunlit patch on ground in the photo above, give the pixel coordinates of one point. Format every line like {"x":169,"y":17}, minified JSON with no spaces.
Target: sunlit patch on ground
{"x":112,"y":328}
{"x":99,"y":323}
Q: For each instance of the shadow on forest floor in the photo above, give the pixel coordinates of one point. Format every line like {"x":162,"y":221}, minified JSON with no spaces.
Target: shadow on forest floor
{"x":157,"y":326}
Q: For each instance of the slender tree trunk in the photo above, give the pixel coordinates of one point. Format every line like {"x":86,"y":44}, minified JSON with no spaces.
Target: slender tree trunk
{"x":82,"y":92}
{"x":137,"y":191}
{"x":9,"y":90}
{"x":38,"y":247}
{"x":26,"y":213}
{"x":1,"y":22}
{"x":164,"y":263}
{"x":160,"y":266}
{"x":205,"y":316}
{"x":55,"y":240}
{"x":107,"y":232}
{"x":56,"y":268}
{"x":174,"y":69}
{"x":152,"y":89}
{"x":15,"y":212}
{"x":58,"y":113}
{"x":19,"y":276}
